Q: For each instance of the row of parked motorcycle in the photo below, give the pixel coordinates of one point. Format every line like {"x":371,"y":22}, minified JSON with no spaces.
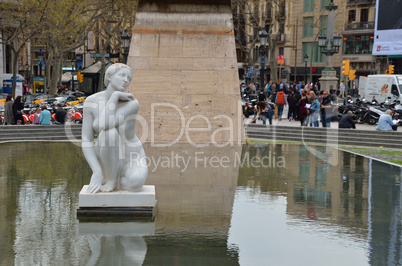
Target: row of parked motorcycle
{"x":363,"y":111}
{"x":370,"y":111}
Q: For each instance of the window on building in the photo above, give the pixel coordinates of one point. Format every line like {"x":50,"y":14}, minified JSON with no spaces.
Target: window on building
{"x":324,"y":3}
{"x":269,"y":10}
{"x":323,"y":25}
{"x":308,"y":27}
{"x":364,"y":15}
{"x":352,"y":16}
{"x":281,"y":50}
{"x":309,"y":47}
{"x":308,"y":6}
{"x":359,"y":44}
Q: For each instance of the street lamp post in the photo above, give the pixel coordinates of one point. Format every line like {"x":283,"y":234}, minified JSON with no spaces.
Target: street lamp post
{"x":305,"y":68}
{"x":40,"y":58}
{"x":329,"y":46}
{"x":263,"y":45}
{"x":125,"y":44}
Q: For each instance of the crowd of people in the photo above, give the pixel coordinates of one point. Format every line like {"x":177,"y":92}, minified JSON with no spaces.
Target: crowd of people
{"x":13,"y":113}
{"x":306,"y":102}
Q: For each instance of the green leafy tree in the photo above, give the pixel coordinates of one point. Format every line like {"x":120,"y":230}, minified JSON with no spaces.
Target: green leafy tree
{"x":65,"y":29}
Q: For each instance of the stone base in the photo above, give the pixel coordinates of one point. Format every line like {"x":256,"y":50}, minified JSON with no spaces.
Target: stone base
{"x":328,"y":80}
{"x":117,"y":204}
{"x":117,"y":228}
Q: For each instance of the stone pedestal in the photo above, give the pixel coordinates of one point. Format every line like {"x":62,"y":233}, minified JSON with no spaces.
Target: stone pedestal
{"x":183,"y":56}
{"x":117,"y":204}
{"x":328,"y":80}
{"x":117,"y":228}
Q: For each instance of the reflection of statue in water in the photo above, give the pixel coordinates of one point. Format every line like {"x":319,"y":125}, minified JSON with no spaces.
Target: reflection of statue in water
{"x":111,"y":115}
{"x":116,"y":250}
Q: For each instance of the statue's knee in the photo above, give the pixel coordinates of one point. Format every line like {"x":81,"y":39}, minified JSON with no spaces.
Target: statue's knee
{"x":135,"y":180}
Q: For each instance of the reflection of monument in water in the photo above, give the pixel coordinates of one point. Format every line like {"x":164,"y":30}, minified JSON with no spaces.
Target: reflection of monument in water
{"x":189,"y":198}
{"x":40,"y":227}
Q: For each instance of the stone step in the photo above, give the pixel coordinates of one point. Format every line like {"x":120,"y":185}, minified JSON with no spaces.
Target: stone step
{"x":323,"y":134}
{"x":315,"y":141}
{"x":321,"y":137}
{"x":329,"y":136}
{"x":321,"y":129}
{"x":38,"y":132}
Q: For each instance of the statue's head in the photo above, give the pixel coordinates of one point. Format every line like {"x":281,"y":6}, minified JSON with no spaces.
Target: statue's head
{"x":115,"y":68}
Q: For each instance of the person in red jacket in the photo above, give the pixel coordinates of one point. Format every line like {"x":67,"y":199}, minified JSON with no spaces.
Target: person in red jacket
{"x":280,"y":102}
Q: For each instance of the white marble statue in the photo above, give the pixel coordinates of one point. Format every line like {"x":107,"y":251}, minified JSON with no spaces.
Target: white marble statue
{"x":111,"y":116}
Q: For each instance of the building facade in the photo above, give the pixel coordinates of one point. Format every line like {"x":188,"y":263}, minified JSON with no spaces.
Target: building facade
{"x":296,"y":26}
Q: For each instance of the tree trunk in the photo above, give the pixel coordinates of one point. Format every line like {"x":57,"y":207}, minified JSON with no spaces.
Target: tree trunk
{"x":102,"y":72}
{"x":15,"y":60}
{"x":103,"y":64}
{"x":56,"y":73}
{"x":48,"y":65}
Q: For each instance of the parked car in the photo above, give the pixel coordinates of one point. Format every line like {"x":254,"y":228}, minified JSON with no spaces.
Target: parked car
{"x":65,"y":100}
{"x":38,"y":98}
{"x":79,"y":95}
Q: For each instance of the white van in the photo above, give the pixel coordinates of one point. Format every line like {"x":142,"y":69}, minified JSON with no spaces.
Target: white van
{"x":382,"y":87}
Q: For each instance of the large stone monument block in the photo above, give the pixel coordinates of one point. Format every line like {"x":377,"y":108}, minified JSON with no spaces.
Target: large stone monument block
{"x":183,"y":57}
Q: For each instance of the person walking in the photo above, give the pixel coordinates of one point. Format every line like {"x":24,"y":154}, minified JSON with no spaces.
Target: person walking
{"x":8,"y":112}
{"x":342,"y":89}
{"x":18,"y":106}
{"x":280,"y":102}
{"x":292,"y":102}
{"x":44,"y":116}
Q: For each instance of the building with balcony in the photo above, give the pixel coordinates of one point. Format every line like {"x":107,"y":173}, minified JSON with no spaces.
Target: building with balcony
{"x":296,"y":28}
{"x":358,"y":38}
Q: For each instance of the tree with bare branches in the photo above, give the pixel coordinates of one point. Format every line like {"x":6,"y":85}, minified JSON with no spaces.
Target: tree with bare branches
{"x":250,"y":17}
{"x":20,"y":21}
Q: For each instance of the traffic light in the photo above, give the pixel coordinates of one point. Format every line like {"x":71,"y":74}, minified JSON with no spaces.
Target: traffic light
{"x":80,"y":77}
{"x":391,"y":69}
{"x":352,"y":74}
{"x":346,"y":65}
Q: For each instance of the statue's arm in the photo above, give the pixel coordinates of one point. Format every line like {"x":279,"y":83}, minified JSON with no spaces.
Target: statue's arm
{"x":113,"y":117}
{"x":88,"y":150}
